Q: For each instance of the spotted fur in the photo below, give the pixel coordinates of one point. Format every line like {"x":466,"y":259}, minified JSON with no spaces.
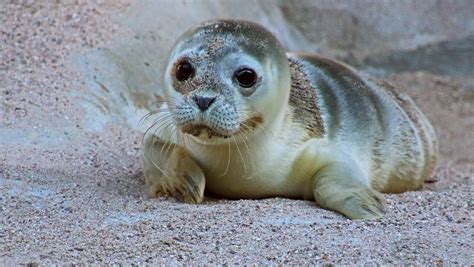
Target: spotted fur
{"x":304,"y":101}
{"x":397,"y":140}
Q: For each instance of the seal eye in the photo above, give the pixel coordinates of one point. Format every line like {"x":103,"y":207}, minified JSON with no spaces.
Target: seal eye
{"x":246,"y":77}
{"x":184,"y":70}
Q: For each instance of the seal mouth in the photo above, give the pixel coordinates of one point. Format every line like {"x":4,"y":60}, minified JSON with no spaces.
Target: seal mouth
{"x":198,"y":130}
{"x":201,"y":130}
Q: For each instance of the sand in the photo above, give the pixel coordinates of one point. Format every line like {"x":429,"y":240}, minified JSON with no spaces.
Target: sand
{"x":71,"y":195}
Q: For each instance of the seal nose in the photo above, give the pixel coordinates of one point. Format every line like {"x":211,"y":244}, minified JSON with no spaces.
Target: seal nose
{"x":203,"y":102}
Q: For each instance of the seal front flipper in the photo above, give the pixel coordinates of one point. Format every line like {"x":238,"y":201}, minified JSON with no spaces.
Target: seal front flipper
{"x":337,"y":187}
{"x":170,"y":171}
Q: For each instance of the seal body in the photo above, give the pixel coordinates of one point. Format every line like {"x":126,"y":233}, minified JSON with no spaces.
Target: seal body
{"x":244,"y":119}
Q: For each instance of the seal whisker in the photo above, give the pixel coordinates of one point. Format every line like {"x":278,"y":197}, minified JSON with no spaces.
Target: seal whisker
{"x":161,"y":151}
{"x":245,"y":135}
{"x":151,"y":113}
{"x":162,"y":127}
{"x":168,"y":140}
{"x":248,"y":129}
{"x":156,"y":165}
{"x":266,"y":130}
{"x":242,"y":137}
{"x":145,"y":155}
{"x":241,"y":156}
{"x":218,"y":159}
{"x":187,"y":142}
{"x":228,"y":161}
{"x":162,"y":122}
{"x":156,"y":126}
{"x":158,"y":102}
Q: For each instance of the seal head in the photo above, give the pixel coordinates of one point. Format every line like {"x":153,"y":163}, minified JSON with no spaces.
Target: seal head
{"x":220,"y":81}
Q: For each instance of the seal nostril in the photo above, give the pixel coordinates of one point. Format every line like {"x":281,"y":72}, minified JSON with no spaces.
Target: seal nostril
{"x":203,"y":102}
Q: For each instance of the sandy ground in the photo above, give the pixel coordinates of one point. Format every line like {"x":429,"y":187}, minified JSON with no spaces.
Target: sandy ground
{"x":70,"y":195}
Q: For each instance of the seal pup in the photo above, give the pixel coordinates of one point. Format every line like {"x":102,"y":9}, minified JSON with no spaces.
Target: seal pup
{"x":243,"y":119}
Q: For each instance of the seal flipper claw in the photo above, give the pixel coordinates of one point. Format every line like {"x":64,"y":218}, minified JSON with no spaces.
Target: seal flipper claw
{"x":181,"y":177}
{"x":185,"y":178}
{"x":336,"y":188}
